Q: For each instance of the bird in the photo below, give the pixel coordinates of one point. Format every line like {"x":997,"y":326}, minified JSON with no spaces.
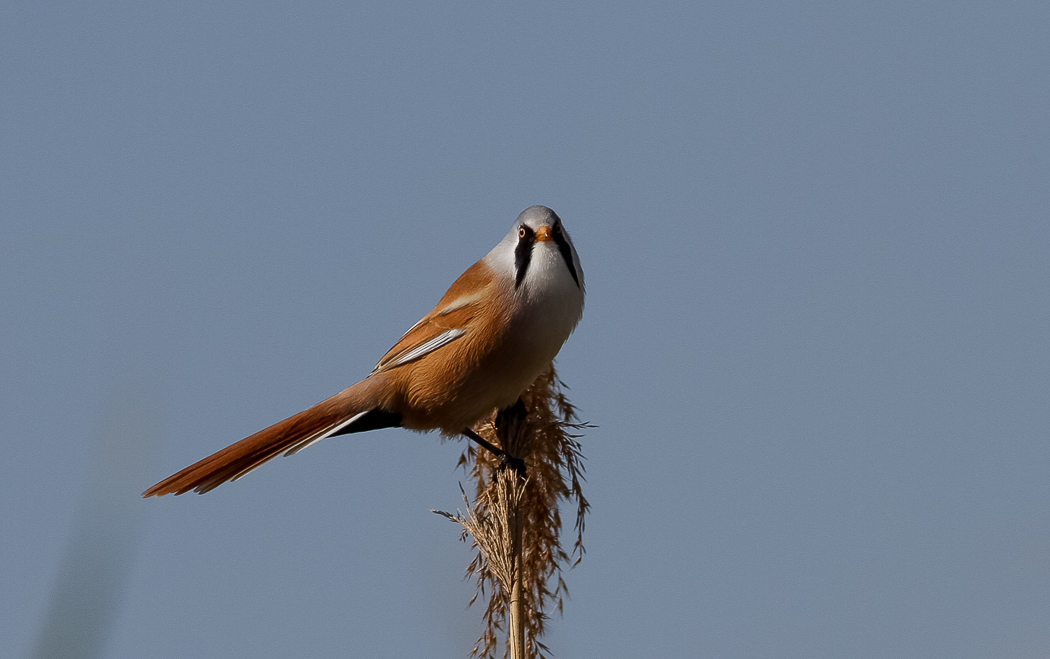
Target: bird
{"x":497,"y":328}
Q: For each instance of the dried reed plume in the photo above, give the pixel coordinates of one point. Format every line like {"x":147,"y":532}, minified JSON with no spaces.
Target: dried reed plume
{"x":509,"y":512}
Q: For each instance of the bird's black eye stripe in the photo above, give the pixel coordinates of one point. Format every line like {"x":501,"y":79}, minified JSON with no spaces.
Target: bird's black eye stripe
{"x":566,"y":252}
{"x":523,"y":253}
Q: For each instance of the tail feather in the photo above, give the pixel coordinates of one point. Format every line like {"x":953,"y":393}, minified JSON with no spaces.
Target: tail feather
{"x":289,"y":436}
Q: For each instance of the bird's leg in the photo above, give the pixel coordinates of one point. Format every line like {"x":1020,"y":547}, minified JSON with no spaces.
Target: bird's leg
{"x":513,"y":431}
{"x":516,"y":413}
{"x":483,"y":443}
{"x":505,"y":459}
{"x":509,"y":422}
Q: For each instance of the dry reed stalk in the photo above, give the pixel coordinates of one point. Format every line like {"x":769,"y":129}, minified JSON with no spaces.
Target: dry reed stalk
{"x":516,"y":523}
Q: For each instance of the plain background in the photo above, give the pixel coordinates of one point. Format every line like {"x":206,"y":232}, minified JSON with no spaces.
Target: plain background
{"x":816,"y":343}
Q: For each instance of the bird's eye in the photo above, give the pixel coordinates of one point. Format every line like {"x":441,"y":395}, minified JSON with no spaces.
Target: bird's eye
{"x":522,"y":232}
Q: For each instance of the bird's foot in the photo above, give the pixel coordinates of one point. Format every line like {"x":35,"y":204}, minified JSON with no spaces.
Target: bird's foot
{"x":507,"y":461}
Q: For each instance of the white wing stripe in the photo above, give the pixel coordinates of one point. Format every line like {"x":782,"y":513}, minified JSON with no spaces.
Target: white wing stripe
{"x":459,"y":303}
{"x":422,"y":349}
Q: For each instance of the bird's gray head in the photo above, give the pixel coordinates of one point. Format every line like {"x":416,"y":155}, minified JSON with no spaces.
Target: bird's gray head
{"x":538,"y":227}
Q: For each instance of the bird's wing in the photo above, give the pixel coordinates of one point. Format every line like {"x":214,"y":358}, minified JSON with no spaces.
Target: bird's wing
{"x":454,"y":317}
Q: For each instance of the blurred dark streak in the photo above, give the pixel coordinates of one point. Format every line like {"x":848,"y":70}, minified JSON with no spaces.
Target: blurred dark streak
{"x":88,"y":592}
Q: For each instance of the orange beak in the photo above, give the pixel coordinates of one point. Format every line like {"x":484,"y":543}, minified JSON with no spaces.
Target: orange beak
{"x":543,"y":234}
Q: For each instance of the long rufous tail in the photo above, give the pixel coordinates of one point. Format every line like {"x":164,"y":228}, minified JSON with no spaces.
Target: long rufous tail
{"x":333,"y":416}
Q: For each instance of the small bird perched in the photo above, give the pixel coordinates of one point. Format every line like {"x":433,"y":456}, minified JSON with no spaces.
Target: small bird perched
{"x":491,"y":335}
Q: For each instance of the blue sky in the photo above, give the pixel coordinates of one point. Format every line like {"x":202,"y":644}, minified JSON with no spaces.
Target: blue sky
{"x":816,"y":343}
